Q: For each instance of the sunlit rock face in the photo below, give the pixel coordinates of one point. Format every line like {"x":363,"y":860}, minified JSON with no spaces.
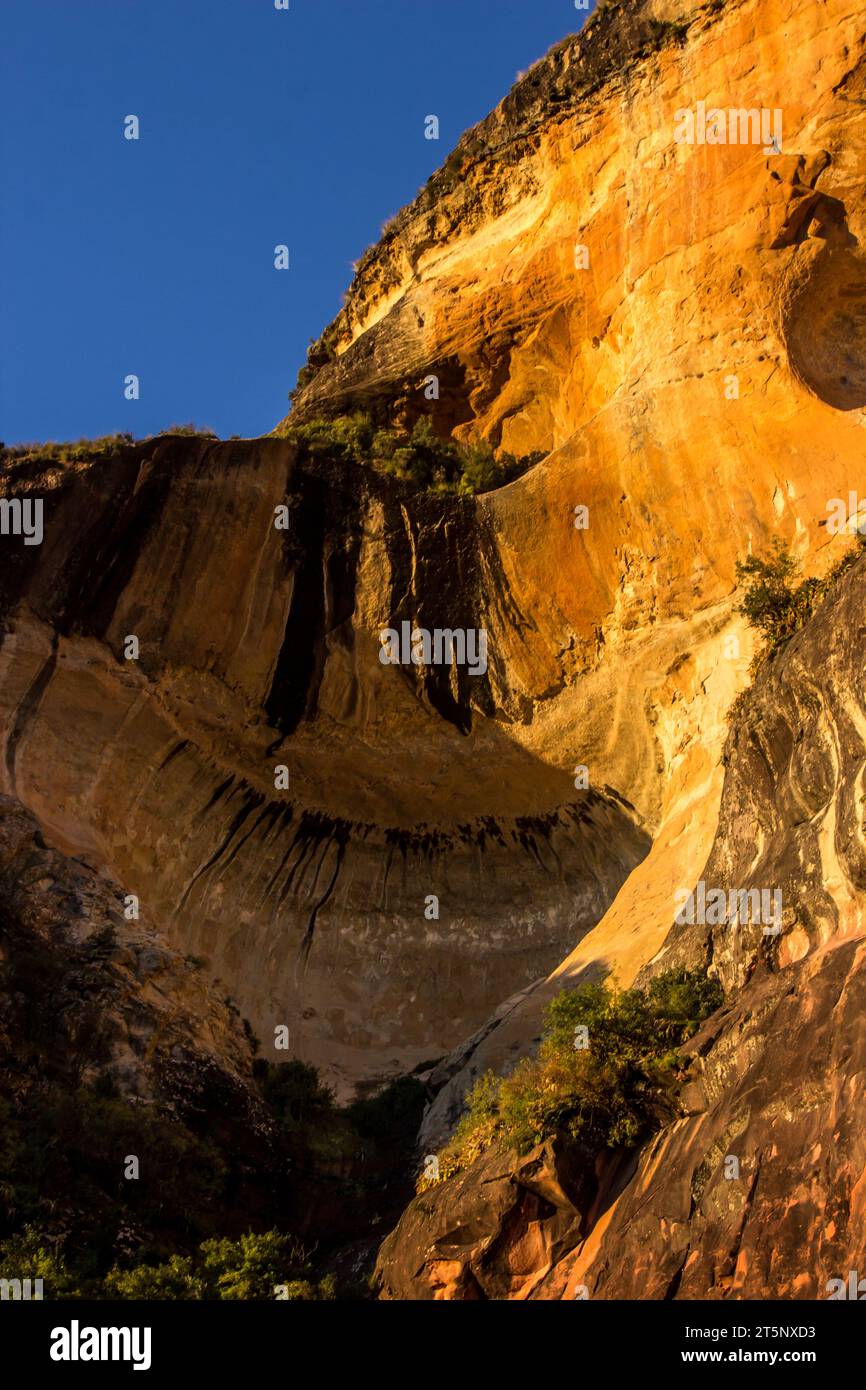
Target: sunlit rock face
{"x":779,"y":1081}
{"x":677,"y":328}
{"x":732,"y":315}
{"x":701,"y":379}
{"x":755,"y":1188}
{"x":681,"y":326}
{"x":689,"y":348}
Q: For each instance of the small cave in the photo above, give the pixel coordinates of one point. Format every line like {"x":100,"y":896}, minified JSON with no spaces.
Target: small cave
{"x":825,"y":328}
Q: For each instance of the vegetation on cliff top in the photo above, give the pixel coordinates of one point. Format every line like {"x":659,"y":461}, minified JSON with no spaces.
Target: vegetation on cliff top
{"x":605,"y":1074}
{"x":72,"y":451}
{"x":83,"y":450}
{"x":420,"y":456}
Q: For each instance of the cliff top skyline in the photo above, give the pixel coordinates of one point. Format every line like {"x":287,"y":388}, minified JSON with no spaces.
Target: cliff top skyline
{"x":257,"y":128}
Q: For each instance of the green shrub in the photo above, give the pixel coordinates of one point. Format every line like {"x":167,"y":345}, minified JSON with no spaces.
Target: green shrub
{"x":345,"y":437}
{"x":296,"y":1097}
{"x":665,"y":31}
{"x":27,"y":1255}
{"x":252,"y":1267}
{"x":678,"y":1002}
{"x":197,"y":431}
{"x":609,"y":1094}
{"x":420,"y":457}
{"x":175,"y":1279}
{"x":302,"y":1290}
{"x":774,"y":603}
{"x":393,"y":1115}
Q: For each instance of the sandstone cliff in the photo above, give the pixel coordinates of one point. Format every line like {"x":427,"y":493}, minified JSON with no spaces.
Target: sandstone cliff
{"x":680,"y":330}
{"x":612,"y":647}
{"x":258,"y":649}
{"x":777,"y":1074}
{"x":699,"y":386}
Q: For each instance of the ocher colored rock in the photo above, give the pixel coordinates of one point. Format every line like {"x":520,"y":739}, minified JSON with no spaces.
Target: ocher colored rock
{"x":700,"y":387}
{"x":756,"y":1189}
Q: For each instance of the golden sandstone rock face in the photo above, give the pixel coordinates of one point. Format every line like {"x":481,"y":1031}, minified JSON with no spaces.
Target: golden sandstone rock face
{"x":719,"y":263}
{"x":680,"y":327}
{"x":754,"y":1189}
{"x":699,"y":384}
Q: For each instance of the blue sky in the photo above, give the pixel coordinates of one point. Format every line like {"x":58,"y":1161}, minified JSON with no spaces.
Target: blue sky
{"x":257,"y":127}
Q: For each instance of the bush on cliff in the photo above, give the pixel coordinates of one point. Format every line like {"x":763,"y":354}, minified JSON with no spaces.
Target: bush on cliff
{"x":772,"y":602}
{"x":84,"y":450}
{"x":667,"y":31}
{"x":72,"y":451}
{"x":604,"y":1075}
{"x":777,"y":606}
{"x":419,"y":456}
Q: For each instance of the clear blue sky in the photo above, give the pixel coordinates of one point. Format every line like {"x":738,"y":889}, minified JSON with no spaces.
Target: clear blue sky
{"x":258,"y":127}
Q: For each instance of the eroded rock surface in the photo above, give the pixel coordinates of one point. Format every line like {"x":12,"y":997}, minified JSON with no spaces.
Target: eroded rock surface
{"x":777,"y":1076}
{"x":694,"y":380}
{"x":258,"y":649}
